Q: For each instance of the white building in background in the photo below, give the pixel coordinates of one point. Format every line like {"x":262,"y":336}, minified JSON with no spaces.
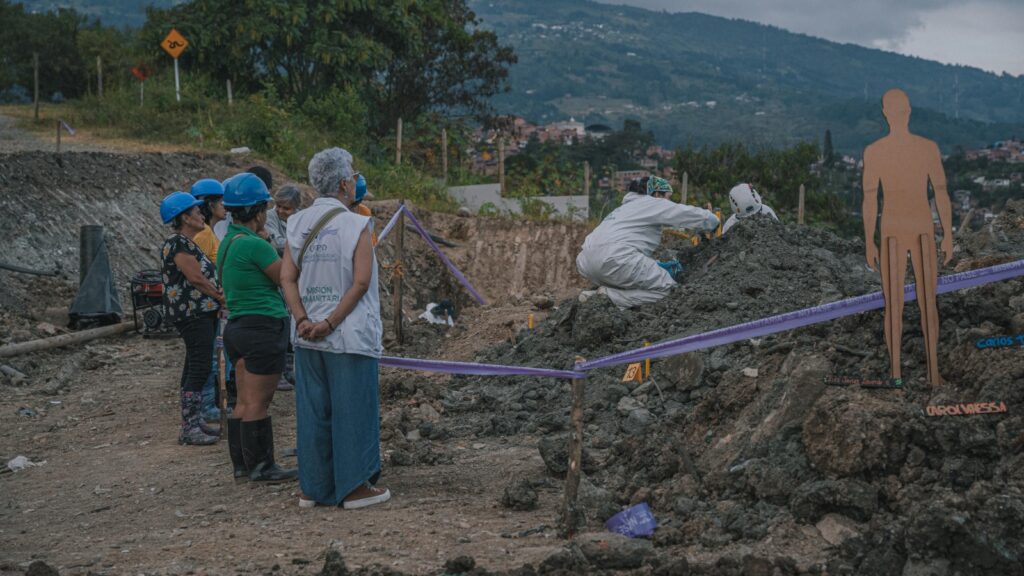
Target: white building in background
{"x":571,"y":126}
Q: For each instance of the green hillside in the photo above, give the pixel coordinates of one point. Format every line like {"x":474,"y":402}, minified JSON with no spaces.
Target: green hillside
{"x":118,"y":13}
{"x":603,"y":63}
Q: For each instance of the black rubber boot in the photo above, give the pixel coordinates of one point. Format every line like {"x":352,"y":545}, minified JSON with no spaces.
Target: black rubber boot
{"x":241,"y":471}
{"x":258,"y":451}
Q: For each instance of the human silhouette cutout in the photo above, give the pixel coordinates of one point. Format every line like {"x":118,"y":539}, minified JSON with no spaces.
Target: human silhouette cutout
{"x":902,"y":165}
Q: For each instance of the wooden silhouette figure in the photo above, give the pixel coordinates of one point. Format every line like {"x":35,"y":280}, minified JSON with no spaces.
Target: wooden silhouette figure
{"x":902,"y":165}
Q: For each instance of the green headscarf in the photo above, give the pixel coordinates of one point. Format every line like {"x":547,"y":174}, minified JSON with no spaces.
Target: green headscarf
{"x":658,"y":185}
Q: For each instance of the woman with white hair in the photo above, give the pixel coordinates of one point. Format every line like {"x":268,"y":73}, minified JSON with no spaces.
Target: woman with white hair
{"x":287,"y":201}
{"x":329,"y":277}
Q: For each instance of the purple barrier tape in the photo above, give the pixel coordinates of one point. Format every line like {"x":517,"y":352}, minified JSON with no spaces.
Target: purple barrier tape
{"x":451,"y":267}
{"x":475,"y":369}
{"x":391,"y":223}
{"x":800,"y":318}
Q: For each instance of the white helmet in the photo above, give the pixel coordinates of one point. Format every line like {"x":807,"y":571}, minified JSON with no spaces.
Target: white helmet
{"x":745,"y":200}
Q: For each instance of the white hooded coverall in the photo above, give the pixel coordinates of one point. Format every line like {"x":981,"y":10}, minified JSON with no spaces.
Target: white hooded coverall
{"x":617,"y":254}
{"x":732,"y":220}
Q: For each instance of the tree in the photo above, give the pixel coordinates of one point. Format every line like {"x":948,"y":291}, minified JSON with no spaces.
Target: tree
{"x":828,"y":154}
{"x":777,"y":173}
{"x":402,"y":57}
{"x":53,"y":36}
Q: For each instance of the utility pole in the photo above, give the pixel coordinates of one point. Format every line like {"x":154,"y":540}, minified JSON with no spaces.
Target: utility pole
{"x":683,"y":187}
{"x":586,"y":178}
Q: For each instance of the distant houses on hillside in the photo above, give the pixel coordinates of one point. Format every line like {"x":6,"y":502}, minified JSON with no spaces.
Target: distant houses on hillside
{"x":518,"y":132}
{"x":1004,"y":151}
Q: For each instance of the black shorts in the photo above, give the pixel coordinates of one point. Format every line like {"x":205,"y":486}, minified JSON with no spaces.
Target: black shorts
{"x":259,"y":340}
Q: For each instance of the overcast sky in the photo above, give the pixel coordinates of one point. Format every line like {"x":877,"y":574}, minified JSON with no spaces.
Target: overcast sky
{"x":988,"y":34}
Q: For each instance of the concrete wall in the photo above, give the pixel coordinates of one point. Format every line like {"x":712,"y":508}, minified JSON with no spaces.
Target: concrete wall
{"x":474,"y":197}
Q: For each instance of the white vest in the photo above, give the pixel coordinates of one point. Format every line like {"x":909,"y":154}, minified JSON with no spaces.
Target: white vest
{"x":326,"y":274}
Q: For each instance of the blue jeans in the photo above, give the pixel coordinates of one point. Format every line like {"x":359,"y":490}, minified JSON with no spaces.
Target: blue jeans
{"x":210,"y":389}
{"x":337,"y":412}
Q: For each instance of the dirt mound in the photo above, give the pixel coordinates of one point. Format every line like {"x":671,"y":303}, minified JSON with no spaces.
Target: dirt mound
{"x":45,"y":198}
{"x":742,"y":449}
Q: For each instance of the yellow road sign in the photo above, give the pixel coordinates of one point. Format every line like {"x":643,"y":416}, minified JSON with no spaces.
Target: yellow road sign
{"x":174,"y":44}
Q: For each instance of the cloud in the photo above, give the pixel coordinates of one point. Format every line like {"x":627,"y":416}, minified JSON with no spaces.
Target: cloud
{"x":983,"y":33}
{"x":986,"y":34}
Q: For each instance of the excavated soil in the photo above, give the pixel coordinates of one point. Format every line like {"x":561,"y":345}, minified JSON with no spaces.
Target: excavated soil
{"x":746,"y":456}
{"x":766,"y":472}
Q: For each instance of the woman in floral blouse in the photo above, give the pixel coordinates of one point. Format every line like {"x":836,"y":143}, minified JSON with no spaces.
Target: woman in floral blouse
{"x":192,"y":297}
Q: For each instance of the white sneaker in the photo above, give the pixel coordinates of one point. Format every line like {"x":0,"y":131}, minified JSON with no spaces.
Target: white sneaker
{"x":587,"y":295}
{"x":368,"y":501}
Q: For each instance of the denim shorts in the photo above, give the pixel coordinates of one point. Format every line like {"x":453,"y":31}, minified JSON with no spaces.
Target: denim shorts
{"x":261,"y":341}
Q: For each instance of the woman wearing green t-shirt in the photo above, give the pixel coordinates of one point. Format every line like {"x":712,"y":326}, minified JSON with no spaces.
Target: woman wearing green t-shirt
{"x":256,"y":336}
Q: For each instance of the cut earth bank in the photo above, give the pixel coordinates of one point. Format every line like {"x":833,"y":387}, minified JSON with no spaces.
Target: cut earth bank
{"x":773,"y":473}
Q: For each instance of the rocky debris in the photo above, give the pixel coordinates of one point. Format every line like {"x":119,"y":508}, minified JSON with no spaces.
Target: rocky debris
{"x":519,"y":495}
{"x":813,"y":500}
{"x":12,"y":375}
{"x":610,"y":551}
{"x":67,"y":373}
{"x":542,"y":302}
{"x":460,"y":565}
{"x":734,"y":444}
{"x":999,"y":238}
{"x":836,"y":528}
{"x":40,"y":568}
{"x":334,"y":564}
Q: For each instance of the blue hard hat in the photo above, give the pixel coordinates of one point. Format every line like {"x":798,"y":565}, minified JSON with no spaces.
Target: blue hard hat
{"x":245,"y":189}
{"x":176,"y":203}
{"x":360,"y":188}
{"x":207,"y":187}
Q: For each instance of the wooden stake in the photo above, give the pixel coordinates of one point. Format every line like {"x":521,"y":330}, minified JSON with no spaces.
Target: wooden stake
{"x":35,"y":76}
{"x":222,"y":376}
{"x":398,"y":144}
{"x":800,"y":207}
{"x":396,"y":278}
{"x":58,"y":136}
{"x":586,"y":178}
{"x":570,"y":513}
{"x":501,"y":164}
{"x":444,"y":155}
{"x":231,"y":99}
{"x":99,"y":77}
{"x":684,"y":186}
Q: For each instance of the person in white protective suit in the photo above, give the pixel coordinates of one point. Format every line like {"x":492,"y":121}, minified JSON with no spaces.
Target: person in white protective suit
{"x":745,"y":202}
{"x":617,"y":254}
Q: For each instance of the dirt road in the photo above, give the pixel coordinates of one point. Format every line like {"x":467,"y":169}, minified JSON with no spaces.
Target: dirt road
{"x":118,"y":495}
